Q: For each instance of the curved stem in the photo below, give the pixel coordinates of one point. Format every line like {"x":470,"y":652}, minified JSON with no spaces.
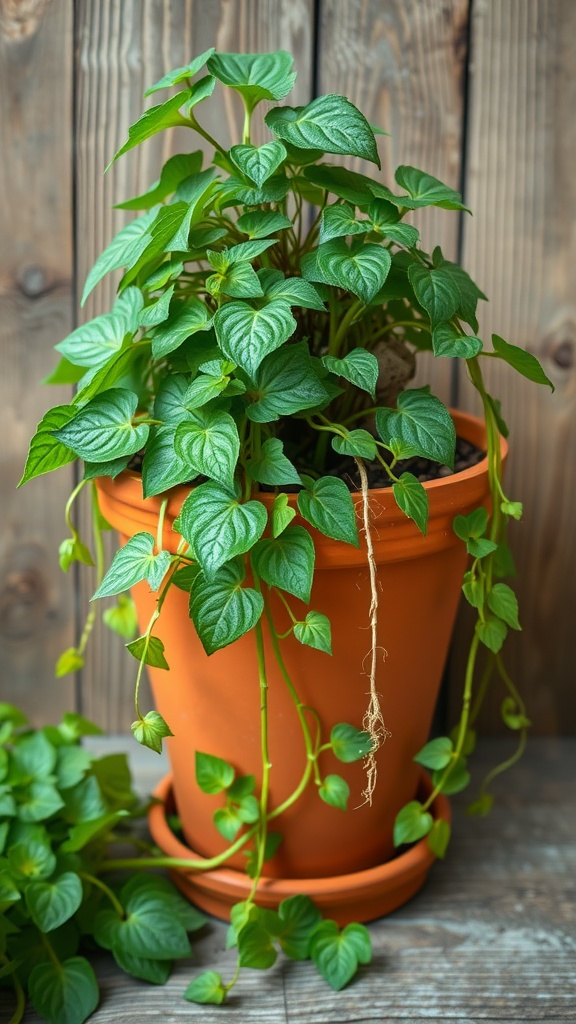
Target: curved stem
{"x":92,"y":880}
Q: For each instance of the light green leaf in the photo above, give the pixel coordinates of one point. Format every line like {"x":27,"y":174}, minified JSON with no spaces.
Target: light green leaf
{"x":135,"y":561}
{"x":186,"y":319}
{"x":73,"y":550}
{"x":503,"y":602}
{"x":412,"y":823}
{"x":218,"y":526}
{"x":335,"y":792}
{"x":64,"y":994}
{"x":524,"y":362}
{"x":447,"y":341}
{"x":258,"y":162}
{"x":287,"y":561}
{"x":439,"y":838}
{"x":39,"y":801}
{"x":337,"y":954}
{"x":53,"y":903}
{"x":124,"y":249}
{"x":222,"y":610}
{"x":213,"y":775}
{"x":175,"y":170}
{"x":270,"y":466}
{"x":157,"y":312}
{"x":359,"y":367}
{"x":436,"y":754}
{"x":164,"y":115}
{"x":421,"y":425}
{"x":326,"y":504}
{"x":181,"y":74}
{"x":286,"y":383}
{"x":424,"y":190}
{"x":492,"y":632}
{"x":358,"y":443}
{"x":206,"y":988}
{"x":69,"y":661}
{"x":293,"y":290}
{"x":350,"y":744}
{"x":162,"y":468}
{"x":282,"y":514}
{"x":209,"y":445}
{"x":31,"y":858}
{"x":361,"y":271}
{"x":148,"y":649}
{"x":246,"y":335}
{"x":150,"y":731}
{"x":35,"y":756}
{"x":169,"y":403}
{"x":512,"y":715}
{"x":240,"y":281}
{"x":261,"y":223}
{"x":256,"y":76}
{"x":102,"y":430}
{"x":315,"y":632}
{"x":457,"y":780}
{"x":72,"y":765}
{"x":385,"y":219}
{"x":330,"y":123}
{"x":339,"y":220}
{"x":410,"y":496}
{"x":46,"y":451}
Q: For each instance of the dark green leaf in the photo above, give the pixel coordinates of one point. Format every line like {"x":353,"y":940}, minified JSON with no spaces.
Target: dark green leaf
{"x":175,"y":170}
{"x":150,"y":928}
{"x":356,"y":188}
{"x":209,"y":445}
{"x":436,"y":291}
{"x":339,"y":220}
{"x":358,"y":443}
{"x":162,"y":468}
{"x":218,"y":526}
{"x":412,"y":823}
{"x":156,"y":972}
{"x":287,"y":561}
{"x":315,"y":632}
{"x":186,"y":319}
{"x":457,"y":780}
{"x":64,"y":994}
{"x":350,"y":744}
{"x":34,"y":756}
{"x":270,"y":466}
{"x":361,"y":271}
{"x":72,"y":764}
{"x":135,"y":561}
{"x":337,"y":954}
{"x":213,"y":775}
{"x":32,"y":858}
{"x":39,"y":801}
{"x":52,"y":903}
{"x":150,"y":731}
{"x":102,"y":430}
{"x":524,"y":362}
{"x":150,"y":650}
{"x":385,"y":219}
{"x":246,"y":335}
{"x":503,"y":602}
{"x":222,"y":610}
{"x":335,"y":791}
{"x":439,"y":837}
{"x":330,"y":123}
{"x":420,"y":425}
{"x":359,"y":367}
{"x":83,"y":833}
{"x":410,"y":496}
{"x":424,"y":190}
{"x":326,"y":504}
{"x":285,"y":383}
{"x":298,"y":917}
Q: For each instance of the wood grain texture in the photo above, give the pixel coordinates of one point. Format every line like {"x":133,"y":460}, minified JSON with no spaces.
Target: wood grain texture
{"x":123,"y":48}
{"x":36,"y":610}
{"x":521,"y":248}
{"x":491,"y":937}
{"x":403,"y":63}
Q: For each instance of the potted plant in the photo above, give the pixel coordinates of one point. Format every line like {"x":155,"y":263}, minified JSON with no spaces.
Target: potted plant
{"x":244,"y":420}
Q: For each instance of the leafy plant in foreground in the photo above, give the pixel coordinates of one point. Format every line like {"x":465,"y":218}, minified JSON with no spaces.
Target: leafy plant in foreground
{"x":269,"y":314}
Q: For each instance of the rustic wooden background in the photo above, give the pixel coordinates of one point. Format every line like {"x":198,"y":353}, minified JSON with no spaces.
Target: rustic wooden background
{"x":478,"y":92}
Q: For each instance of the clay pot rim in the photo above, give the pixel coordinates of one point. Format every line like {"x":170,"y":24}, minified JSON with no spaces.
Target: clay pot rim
{"x":413,"y":863}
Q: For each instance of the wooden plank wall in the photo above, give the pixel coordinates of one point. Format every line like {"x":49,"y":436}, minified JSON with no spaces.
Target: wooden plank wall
{"x":477,"y":92}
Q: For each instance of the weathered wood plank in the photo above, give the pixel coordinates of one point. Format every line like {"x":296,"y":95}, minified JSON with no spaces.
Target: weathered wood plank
{"x":123,"y":48}
{"x":521,"y":248}
{"x":491,"y":937}
{"x":403,"y":63}
{"x":36,"y":616}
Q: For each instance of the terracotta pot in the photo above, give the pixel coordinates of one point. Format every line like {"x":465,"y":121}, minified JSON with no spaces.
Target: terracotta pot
{"x":357,"y":896}
{"x":212,"y":703}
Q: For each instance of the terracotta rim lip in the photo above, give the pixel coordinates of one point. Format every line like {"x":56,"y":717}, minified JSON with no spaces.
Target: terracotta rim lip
{"x":127,"y":487}
{"x":401,"y":869}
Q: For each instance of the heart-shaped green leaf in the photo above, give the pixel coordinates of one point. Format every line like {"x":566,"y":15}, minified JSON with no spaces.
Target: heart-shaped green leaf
{"x":412,"y":823}
{"x":286,"y":383}
{"x":206,"y":988}
{"x":436,"y":754}
{"x":135,"y":561}
{"x":359,"y":367}
{"x":258,"y":162}
{"x":330,"y":123}
{"x":150,"y":731}
{"x":213,"y":775}
{"x":64,"y":993}
{"x":222,"y":609}
{"x":315,"y":632}
{"x":335,"y":791}
{"x":53,"y":903}
{"x":326,"y":504}
{"x":337,"y":954}
{"x":218,"y":526}
{"x":209,"y":445}
{"x":361,"y":271}
{"x":256,"y":76}
{"x":350,"y":744}
{"x":102,"y":430}
{"x":286,"y":561}
{"x":270,"y":466}
{"x":246,"y":335}
{"x":410,"y":496}
{"x":420,"y":425}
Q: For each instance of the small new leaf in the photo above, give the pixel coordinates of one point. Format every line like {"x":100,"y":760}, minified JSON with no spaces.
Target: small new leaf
{"x":150,"y":731}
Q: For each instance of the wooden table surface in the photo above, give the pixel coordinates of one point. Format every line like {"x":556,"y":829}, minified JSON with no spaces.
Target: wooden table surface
{"x":491,"y":938}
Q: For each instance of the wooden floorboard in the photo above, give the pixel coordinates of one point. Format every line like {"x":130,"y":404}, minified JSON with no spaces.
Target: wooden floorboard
{"x":491,"y":938}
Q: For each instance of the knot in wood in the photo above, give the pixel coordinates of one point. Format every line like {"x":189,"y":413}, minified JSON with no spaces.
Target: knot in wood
{"x":19,"y":19}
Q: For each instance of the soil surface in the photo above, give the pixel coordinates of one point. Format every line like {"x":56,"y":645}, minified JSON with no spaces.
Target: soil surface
{"x":467,"y":455}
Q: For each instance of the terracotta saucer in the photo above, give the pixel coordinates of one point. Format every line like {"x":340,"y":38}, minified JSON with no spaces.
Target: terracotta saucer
{"x":360,"y":896}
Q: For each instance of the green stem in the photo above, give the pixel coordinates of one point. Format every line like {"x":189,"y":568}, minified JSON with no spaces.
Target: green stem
{"x":48,"y":947}
{"x":92,"y":880}
{"x":349,"y":318}
{"x":19,"y":992}
{"x":262,"y":828}
{"x":206,"y":135}
{"x":69,"y":504}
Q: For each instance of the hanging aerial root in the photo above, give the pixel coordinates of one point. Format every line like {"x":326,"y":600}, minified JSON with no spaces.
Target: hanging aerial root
{"x":373,"y":721}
